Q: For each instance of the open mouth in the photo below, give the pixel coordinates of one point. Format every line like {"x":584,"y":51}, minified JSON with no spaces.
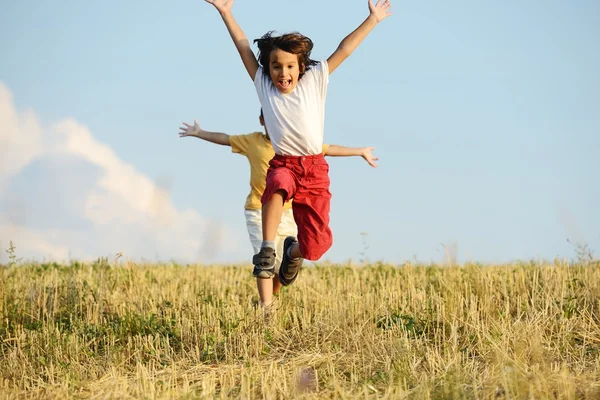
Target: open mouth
{"x":284,"y":84}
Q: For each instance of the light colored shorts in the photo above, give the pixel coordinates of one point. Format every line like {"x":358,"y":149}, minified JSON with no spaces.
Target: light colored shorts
{"x":287,"y":227}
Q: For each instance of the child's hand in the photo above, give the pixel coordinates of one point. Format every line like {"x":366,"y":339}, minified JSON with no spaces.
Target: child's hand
{"x":222,"y":6}
{"x":366,"y":154}
{"x":380,"y":10}
{"x":189,"y":130}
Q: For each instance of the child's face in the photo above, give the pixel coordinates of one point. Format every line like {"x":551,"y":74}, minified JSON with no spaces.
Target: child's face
{"x":285,"y":70}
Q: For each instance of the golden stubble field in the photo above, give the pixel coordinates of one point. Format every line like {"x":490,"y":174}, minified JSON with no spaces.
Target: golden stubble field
{"x":96,"y":330}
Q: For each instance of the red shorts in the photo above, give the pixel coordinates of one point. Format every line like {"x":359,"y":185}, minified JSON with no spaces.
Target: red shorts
{"x":305,"y":179}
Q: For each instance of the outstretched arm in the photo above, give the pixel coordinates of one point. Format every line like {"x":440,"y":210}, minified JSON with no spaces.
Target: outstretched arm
{"x":195,"y":131}
{"x":365,"y":152}
{"x":237,"y":35}
{"x":377,"y":13}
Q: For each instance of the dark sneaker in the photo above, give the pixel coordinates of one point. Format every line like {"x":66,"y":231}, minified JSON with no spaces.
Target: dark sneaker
{"x":288,"y":271}
{"x":264,"y":263}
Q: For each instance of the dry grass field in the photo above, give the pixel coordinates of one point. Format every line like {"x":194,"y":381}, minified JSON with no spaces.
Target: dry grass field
{"x":520,"y":331}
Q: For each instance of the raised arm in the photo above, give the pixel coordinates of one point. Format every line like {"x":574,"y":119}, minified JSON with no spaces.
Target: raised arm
{"x":188,"y":130}
{"x":377,"y":13}
{"x":340,"y":151}
{"x":237,"y":35}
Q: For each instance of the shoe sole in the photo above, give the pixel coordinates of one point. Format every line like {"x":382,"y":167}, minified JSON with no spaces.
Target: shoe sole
{"x":263,"y":273}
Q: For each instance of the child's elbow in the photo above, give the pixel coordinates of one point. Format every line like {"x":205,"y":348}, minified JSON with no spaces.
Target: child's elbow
{"x":343,"y":50}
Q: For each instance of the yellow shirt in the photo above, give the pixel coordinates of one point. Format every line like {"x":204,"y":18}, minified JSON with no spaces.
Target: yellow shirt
{"x":258,"y":150}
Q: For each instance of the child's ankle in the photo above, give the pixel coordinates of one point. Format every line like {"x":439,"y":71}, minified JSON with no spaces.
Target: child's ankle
{"x":266,"y":306}
{"x":268,"y":243}
{"x":289,"y":253}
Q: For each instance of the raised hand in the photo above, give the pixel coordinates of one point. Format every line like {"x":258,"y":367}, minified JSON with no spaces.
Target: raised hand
{"x":189,"y":130}
{"x":366,"y":154}
{"x":380,"y":10}
{"x":222,"y":6}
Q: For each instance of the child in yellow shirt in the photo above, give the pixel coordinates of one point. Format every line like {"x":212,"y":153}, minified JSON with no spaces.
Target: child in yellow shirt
{"x":258,"y":150}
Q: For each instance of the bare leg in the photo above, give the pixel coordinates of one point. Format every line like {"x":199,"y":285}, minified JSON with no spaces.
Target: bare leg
{"x":267,"y":288}
{"x":276,"y":284}
{"x":265,"y":291}
{"x":271,"y":215}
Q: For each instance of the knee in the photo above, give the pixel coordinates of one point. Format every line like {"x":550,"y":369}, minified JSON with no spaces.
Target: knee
{"x":274,"y":196}
{"x":280,"y":196}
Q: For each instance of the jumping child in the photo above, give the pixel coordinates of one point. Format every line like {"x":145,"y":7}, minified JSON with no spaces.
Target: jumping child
{"x":292,"y":89}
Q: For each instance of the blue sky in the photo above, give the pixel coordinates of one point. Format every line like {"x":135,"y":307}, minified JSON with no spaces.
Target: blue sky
{"x":485,"y":116}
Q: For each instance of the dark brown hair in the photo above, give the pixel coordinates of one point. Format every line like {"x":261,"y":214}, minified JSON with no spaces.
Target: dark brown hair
{"x":294,"y":43}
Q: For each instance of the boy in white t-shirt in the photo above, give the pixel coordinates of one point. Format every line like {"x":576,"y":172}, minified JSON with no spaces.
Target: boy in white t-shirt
{"x":292,"y":89}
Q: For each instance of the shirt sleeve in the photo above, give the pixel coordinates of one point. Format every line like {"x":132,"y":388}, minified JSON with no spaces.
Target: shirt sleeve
{"x":320,"y":74}
{"x":259,"y":83}
{"x":240,"y":143}
{"x":325,"y":71}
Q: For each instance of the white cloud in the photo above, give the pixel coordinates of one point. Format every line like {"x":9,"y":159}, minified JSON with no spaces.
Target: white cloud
{"x":20,"y":136}
{"x":64,"y":194}
{"x":36,"y":242}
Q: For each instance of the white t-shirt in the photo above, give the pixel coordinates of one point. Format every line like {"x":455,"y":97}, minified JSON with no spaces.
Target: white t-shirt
{"x":295,"y":120}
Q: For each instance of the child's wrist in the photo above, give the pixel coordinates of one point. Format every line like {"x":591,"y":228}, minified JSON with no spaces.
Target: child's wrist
{"x":225,"y":14}
{"x":373,"y":18}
